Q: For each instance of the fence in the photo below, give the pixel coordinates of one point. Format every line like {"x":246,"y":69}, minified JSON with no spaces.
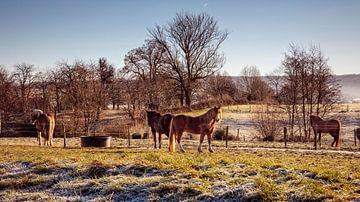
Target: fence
{"x":238,"y":132}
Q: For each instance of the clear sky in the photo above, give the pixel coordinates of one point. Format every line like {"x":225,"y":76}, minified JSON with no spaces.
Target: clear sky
{"x":44,"y":32}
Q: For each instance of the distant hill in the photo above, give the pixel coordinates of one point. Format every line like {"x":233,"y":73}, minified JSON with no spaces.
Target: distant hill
{"x":350,"y":86}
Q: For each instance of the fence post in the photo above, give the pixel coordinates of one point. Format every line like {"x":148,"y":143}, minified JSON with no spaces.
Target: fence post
{"x":64,"y":135}
{"x":238,"y":134}
{"x":128,"y":130}
{"x":226,"y":136}
{"x":355,"y":136}
{"x":285,"y":136}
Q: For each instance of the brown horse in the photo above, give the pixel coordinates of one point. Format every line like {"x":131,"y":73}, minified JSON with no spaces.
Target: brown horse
{"x":158,"y":123}
{"x":203,"y":125}
{"x":45,"y":123}
{"x":326,"y":126}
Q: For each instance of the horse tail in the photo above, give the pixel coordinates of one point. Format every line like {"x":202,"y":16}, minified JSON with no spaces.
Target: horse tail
{"x":171,"y":136}
{"x":338,"y":133}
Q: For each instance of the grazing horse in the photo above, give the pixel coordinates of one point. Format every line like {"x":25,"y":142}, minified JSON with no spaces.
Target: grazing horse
{"x":326,"y":126}
{"x":45,"y":123}
{"x":203,"y":125}
{"x":158,"y":123}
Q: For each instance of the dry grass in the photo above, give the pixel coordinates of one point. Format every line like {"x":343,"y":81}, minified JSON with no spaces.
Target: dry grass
{"x":142,"y":173}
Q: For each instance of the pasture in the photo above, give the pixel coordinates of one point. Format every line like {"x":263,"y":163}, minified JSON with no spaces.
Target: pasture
{"x":30,"y":172}
{"x":246,"y":170}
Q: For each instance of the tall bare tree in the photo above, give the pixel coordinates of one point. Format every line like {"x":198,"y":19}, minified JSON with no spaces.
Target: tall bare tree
{"x":191,"y":50}
{"x":143,"y":64}
{"x":310,"y":86}
{"x":221,"y":86}
{"x":253,"y":86}
{"x":24,"y":76}
{"x":8,"y":102}
{"x":276,"y":80}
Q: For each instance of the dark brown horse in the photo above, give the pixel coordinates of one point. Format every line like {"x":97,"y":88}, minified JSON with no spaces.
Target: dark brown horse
{"x":45,"y":124}
{"x":331,"y":126}
{"x":203,"y":125}
{"x":158,"y":123}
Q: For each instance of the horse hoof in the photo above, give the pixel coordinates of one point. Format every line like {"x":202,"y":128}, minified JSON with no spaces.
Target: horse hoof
{"x":199,"y":150}
{"x":211,"y":151}
{"x":183,"y":151}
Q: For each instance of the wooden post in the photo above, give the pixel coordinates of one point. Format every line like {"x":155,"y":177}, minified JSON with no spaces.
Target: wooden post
{"x":64,"y":134}
{"x":226,"y":136}
{"x":355,"y":136}
{"x":285,"y":136}
{"x":238,"y":134}
{"x":128,"y":130}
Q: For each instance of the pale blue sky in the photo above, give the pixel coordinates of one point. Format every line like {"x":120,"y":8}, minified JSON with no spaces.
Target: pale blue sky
{"x":43,"y":32}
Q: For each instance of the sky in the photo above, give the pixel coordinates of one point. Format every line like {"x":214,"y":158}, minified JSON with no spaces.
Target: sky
{"x":45,"y":32}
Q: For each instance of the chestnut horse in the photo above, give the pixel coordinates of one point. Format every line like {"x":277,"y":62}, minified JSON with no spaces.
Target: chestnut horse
{"x":45,"y":123}
{"x":326,"y":126}
{"x":203,"y":125}
{"x":158,"y":123}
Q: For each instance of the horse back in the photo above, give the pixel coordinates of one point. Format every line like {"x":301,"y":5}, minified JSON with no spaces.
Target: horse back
{"x":329,"y":126}
{"x":189,"y":124}
{"x":165,"y":122}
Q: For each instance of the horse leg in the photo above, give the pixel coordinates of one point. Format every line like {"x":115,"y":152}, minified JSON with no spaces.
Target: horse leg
{"x":335,"y":139}
{"x":154,"y":136}
{"x":209,"y":142}
{"x":315,"y":133}
{"x":320,"y":139}
{"x":39,"y":137}
{"x":179,"y":142}
{"x":202,"y":135}
{"x":160,"y":137}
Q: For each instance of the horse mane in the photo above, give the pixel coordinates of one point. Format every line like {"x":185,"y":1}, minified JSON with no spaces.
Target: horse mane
{"x":35,"y":114}
{"x":209,"y":115}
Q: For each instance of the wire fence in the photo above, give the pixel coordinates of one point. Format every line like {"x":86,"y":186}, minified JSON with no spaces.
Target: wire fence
{"x":232,"y":133}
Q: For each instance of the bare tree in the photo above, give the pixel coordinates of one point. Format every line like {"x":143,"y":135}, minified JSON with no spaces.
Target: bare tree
{"x":191,"y":50}
{"x":81,"y":88}
{"x":24,"y":77}
{"x":309,"y":88}
{"x":254,"y":88}
{"x":276,"y":80}
{"x":143,"y":64}
{"x":221,"y":86}
{"x":8,"y":102}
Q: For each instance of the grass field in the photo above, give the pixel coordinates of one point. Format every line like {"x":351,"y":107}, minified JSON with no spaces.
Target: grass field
{"x":29,"y":172}
{"x":246,"y":170}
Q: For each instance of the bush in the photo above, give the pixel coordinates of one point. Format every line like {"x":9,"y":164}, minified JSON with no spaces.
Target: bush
{"x":219,"y":134}
{"x":136,"y":136}
{"x":145,"y":135}
{"x":268,"y":123}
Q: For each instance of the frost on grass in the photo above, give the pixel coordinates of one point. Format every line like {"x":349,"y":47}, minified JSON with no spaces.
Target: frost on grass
{"x":201,"y":180}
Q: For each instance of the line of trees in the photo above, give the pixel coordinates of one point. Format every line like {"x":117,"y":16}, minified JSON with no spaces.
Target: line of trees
{"x":178,"y":66}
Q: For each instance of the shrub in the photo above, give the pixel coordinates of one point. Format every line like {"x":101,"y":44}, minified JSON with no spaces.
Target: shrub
{"x":145,"y":135}
{"x":136,"y":136}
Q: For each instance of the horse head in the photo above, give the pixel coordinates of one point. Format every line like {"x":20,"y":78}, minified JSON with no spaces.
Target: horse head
{"x":314,"y":119}
{"x":217,"y":113}
{"x":151,"y":115}
{"x":35,"y":115}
